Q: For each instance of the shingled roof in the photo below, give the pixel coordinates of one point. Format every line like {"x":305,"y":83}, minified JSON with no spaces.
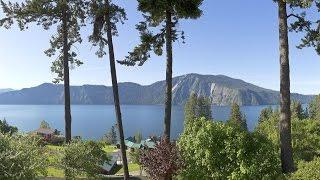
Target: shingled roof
{"x":129,"y":142}
{"x":45,"y":131}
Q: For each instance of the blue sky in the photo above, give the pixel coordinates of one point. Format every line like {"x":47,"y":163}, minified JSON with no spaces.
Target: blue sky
{"x":238,"y":39}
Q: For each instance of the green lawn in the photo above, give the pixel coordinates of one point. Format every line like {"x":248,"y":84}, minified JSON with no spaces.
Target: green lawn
{"x":55,"y":153}
{"x":54,"y":147}
{"x":54,"y":156}
{"x":109,"y":148}
{"x":132,"y":167}
{"x":55,"y":172}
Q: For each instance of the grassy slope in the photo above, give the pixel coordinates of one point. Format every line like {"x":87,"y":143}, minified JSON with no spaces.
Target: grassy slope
{"x":55,"y":152}
{"x":132,"y":168}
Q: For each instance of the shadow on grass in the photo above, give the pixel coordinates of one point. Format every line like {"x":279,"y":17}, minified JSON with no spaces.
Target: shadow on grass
{"x":104,"y":178}
{"x":121,"y":177}
{"x":111,"y":175}
{"x":115,"y":169}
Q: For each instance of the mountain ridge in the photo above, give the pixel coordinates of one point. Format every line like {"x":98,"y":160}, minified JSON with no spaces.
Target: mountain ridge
{"x":6,"y":90}
{"x":221,"y":89}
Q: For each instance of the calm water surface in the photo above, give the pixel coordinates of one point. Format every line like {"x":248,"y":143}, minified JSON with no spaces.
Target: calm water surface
{"x":91,"y":122}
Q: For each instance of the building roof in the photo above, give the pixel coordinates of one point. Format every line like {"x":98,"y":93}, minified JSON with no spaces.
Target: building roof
{"x":45,"y":131}
{"x":129,"y":142}
{"x":132,"y":144}
{"x":148,"y":143}
{"x":130,"y":139}
{"x":113,"y":161}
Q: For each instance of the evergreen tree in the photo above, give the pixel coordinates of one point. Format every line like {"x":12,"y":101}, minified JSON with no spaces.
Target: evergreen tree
{"x":237,"y":119}
{"x":309,"y":26}
{"x":306,"y":24}
{"x":5,"y":128}
{"x":296,"y":110}
{"x":111,"y":136}
{"x":306,"y":113}
{"x":204,"y":106}
{"x":163,"y":15}
{"x":314,"y":108}
{"x":265,"y":114}
{"x":197,"y":107}
{"x":190,"y":109}
{"x":286,"y":153}
{"x":44,"y":124}
{"x":68,"y":16}
{"x":138,"y":137}
{"x":105,"y":15}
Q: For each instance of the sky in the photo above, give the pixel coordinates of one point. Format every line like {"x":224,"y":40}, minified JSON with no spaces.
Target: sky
{"x":237,"y":39}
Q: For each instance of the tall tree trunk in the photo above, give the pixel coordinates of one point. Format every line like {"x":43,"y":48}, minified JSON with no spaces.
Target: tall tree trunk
{"x":116,"y":93}
{"x":168,"y":96}
{"x":285,"y":113}
{"x":67,"y":108}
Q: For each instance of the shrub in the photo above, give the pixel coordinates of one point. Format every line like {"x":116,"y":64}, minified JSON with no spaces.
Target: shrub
{"x":214,"y":150}
{"x":306,"y":139}
{"x":135,"y":158}
{"x":308,"y":170}
{"x":57,"y":140}
{"x":83,"y":157}
{"x":163,"y":161}
{"x":5,"y":128}
{"x":21,"y":158}
{"x":305,"y":136}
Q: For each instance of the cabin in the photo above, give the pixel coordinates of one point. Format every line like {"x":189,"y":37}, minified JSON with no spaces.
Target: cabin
{"x":132,"y":145}
{"x":108,"y":167}
{"x":148,"y":143}
{"x":46,"y":133}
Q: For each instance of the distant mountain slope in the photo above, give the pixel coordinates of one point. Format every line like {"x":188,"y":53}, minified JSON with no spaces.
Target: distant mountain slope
{"x":222,"y":90}
{"x":5,"y":90}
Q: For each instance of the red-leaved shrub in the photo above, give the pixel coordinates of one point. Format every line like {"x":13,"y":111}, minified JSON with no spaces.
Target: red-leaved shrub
{"x":163,"y":161}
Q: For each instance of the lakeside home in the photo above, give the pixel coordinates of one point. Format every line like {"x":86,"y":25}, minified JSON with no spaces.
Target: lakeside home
{"x":132,"y":145}
{"x":46,"y":133}
{"x":109,"y":166}
{"x":49,"y":135}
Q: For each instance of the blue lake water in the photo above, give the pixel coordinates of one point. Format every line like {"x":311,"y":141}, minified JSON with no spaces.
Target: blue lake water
{"x":92,"y":121}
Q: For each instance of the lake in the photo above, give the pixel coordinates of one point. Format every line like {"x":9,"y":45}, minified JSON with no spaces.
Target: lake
{"x":93,"y":121}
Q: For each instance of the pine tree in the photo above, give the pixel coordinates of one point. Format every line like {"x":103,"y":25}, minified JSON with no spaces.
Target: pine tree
{"x":197,"y":107}
{"x":138,"y":137}
{"x":68,"y":16}
{"x":309,"y":26}
{"x":296,"y":110}
{"x":237,"y":119}
{"x":105,"y":15}
{"x":190,"y":109}
{"x":5,"y":128}
{"x":285,"y":113}
{"x":163,"y":15}
{"x":204,"y":107}
{"x":111,"y":136}
{"x":265,"y":114}
{"x":44,"y":124}
{"x":314,"y":108}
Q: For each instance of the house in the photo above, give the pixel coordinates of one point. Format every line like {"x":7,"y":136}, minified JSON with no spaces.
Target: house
{"x":132,"y":145}
{"x":148,"y":143}
{"x":108,"y":167}
{"x":46,"y":133}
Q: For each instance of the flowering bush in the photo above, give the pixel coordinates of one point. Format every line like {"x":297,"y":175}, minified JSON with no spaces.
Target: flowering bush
{"x":163,"y":161}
